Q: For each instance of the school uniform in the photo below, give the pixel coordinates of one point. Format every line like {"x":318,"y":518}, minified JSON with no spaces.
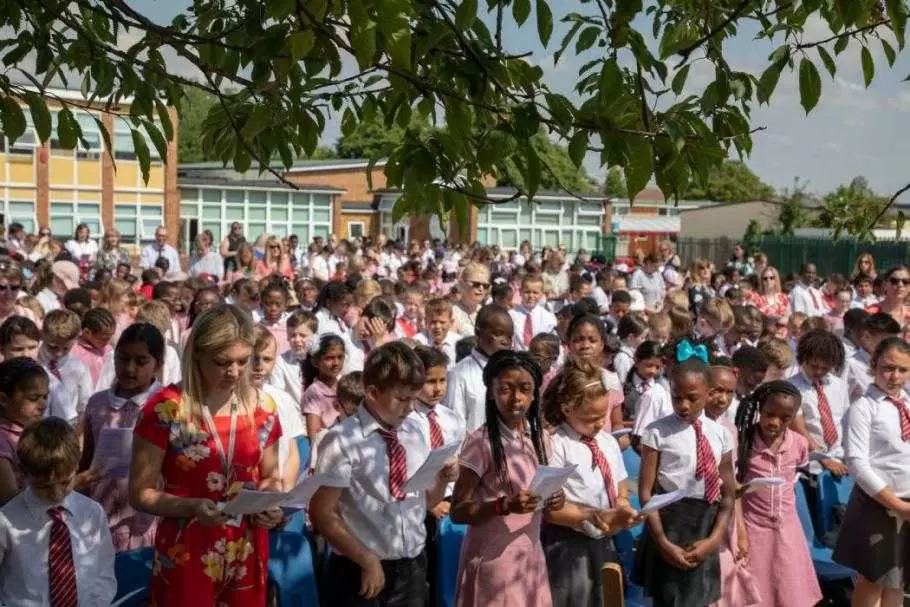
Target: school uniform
{"x":447,"y":346}
{"x":529,"y":323}
{"x":877,"y":454}
{"x":653,"y":405}
{"x":390,"y":526}
{"x":859,"y":378}
{"x":825,"y":427}
{"x":405,"y":327}
{"x":327,"y":323}
{"x":575,"y":556}
{"x":466,"y":391}
{"x":91,"y":357}
{"x":27,"y":536}
{"x":279,"y":330}
{"x":170,"y":372}
{"x":690,"y":519}
{"x":808,"y":300}
{"x":291,"y":426}
{"x":623,"y":361}
{"x":285,"y":376}
{"x":633,"y":390}
{"x":70,"y":387}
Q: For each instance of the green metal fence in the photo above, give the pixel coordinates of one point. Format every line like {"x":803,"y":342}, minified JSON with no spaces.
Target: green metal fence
{"x":606,"y":246}
{"x":788,"y":253}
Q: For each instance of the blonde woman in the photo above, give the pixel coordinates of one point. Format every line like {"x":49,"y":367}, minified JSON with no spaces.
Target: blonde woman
{"x":276,"y":260}
{"x":865,"y":264}
{"x":770,"y":298}
{"x":196,"y":445}
{"x":473,"y":287}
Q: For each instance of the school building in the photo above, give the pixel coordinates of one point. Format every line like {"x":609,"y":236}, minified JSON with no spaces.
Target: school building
{"x":45,"y":185}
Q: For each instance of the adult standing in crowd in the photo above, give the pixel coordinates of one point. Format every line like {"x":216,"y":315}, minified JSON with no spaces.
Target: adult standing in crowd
{"x":805,"y":297}
{"x":740,"y":262}
{"x":770,"y":298}
{"x":648,"y":281}
{"x":82,"y":249}
{"x":64,"y":276}
{"x":865,"y":264}
{"x":472,"y":290}
{"x":160,"y":248}
{"x":555,"y":276}
{"x":206,"y":260}
{"x":10,"y":287}
{"x":111,"y":254}
{"x":196,"y":445}
{"x":276,"y":260}
{"x":699,"y":290}
{"x":229,"y":247}
{"x":15,"y":239}
{"x":897,"y":288}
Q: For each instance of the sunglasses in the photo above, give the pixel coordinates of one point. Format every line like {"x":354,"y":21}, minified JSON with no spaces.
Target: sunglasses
{"x":274,"y":246}
{"x":479,"y":285}
{"x":8,"y":288}
{"x":767,"y":278}
{"x":899,"y":281}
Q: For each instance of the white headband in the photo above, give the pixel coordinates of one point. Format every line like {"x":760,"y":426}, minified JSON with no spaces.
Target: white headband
{"x":316,"y":343}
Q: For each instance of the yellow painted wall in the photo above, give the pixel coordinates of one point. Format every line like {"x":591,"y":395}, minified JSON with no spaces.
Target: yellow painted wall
{"x":22,"y":193}
{"x":61,"y":171}
{"x":21,"y":169}
{"x":89,"y":172}
{"x":127,"y":175}
{"x":151,"y":198}
{"x":156,"y":177}
{"x":124,"y":197}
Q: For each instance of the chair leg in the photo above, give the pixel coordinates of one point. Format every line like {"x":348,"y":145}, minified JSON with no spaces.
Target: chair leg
{"x":612,"y":581}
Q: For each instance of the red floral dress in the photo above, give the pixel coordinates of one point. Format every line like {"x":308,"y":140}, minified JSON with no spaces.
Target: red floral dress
{"x":197,"y":565}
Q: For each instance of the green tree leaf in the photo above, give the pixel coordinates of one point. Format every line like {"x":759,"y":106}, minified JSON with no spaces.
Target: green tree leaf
{"x":578,"y":147}
{"x":465,"y":14}
{"x":810,"y":85}
{"x":890,"y":55}
{"x":142,"y":154}
{"x":41,"y":116}
{"x":679,"y":79}
{"x":827,"y":60}
{"x":521,"y":9}
{"x":868,"y":65}
{"x":67,"y":129}
{"x":640,"y":166}
{"x":587,"y":38}
{"x":13,"y":118}
{"x":544,"y":22}
{"x":768,"y":81}
{"x":364,"y":43}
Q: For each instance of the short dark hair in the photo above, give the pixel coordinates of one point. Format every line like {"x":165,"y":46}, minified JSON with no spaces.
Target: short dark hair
{"x":48,"y":448}
{"x":393,"y":364}
{"x":464,"y":346}
{"x":18,"y":325}
{"x":144,"y":333}
{"x":621,"y":297}
{"x":487,"y":313}
{"x":631,"y":324}
{"x":380,"y":308}
{"x":861,"y":278}
{"x":431,"y":357}
{"x":881,"y":323}
{"x":854,"y":318}
{"x":822,"y":346}
{"x":98,"y":319}
{"x":78,"y":295}
{"x":350,"y":388}
{"x":749,"y":358}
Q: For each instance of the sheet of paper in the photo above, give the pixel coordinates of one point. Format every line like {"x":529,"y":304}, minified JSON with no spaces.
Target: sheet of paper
{"x":425,"y":477}
{"x":253,"y":502}
{"x":113,"y":452}
{"x":548,"y":480}
{"x":299,"y":497}
{"x":621,"y":432}
{"x":122,"y":600}
{"x":662,"y":501}
{"x":767,"y":481}
{"x":817,"y":456}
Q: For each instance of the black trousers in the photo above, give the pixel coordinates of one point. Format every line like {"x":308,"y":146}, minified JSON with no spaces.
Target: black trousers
{"x":405,"y":583}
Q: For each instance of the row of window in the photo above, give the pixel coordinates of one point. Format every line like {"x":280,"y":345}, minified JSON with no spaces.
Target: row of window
{"x":135,"y":222}
{"x":571,"y":223}
{"x":121,"y":138}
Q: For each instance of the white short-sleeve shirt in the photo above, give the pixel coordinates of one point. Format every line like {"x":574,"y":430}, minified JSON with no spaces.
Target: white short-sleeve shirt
{"x":674,"y":437}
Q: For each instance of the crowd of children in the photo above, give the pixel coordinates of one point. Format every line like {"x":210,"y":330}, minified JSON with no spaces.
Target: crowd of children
{"x":130,"y":416}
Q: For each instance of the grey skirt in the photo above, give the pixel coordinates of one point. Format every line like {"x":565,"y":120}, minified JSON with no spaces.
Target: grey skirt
{"x":574,"y":561}
{"x":873,"y":542}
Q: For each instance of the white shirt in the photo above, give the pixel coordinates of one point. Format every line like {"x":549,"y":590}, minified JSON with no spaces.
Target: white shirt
{"x":859,"y":378}
{"x":151,"y":253}
{"x":210,"y":263}
{"x":586,"y":485}
{"x":70,"y":392}
{"x":48,"y":300}
{"x":838,"y":399}
{"x":170,"y":372}
{"x":624,"y":361}
{"x":354,"y":451}
{"x":291,"y":425}
{"x":875,"y":454}
{"x":25,"y":530}
{"x":285,"y":376}
{"x":654,"y":404}
{"x":353,"y":354}
{"x":77,"y":249}
{"x":450,"y":421}
{"x":651,"y":286}
{"x":807,"y":300}
{"x":319,"y":267}
{"x":448,"y":345}
{"x":675,"y":439}
{"x":466,"y":392}
{"x":463,"y":321}
{"x":602,"y":299}
{"x":542,"y":321}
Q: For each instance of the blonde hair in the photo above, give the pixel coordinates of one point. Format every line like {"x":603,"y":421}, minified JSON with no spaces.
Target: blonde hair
{"x":155,"y":313}
{"x":777,"y":351}
{"x":215,"y":330}
{"x":717,"y":311}
{"x":262,"y":337}
{"x":761,"y":284}
{"x":475,"y":270}
{"x":581,"y":379}
{"x":365,"y":291}
{"x":31,"y":303}
{"x":111,"y":294}
{"x":62,"y":324}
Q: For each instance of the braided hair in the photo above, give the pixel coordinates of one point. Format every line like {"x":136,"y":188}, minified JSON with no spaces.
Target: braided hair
{"x":746,"y":414}
{"x":499,"y":363}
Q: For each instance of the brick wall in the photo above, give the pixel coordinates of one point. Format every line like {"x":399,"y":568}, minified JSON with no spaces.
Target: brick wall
{"x":353,"y":181}
{"x":171,"y":191}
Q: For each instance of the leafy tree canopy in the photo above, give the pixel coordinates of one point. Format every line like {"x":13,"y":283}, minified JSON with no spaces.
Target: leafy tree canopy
{"x":732,"y":181}
{"x":615,"y":184}
{"x":280,"y":69}
{"x":562,"y":173}
{"x":856,"y":210}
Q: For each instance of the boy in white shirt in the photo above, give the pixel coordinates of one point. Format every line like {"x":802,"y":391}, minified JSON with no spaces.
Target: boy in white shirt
{"x":55,"y":545}
{"x":873,"y":330}
{"x":531,"y":318}
{"x":438,"y":329}
{"x":70,"y":380}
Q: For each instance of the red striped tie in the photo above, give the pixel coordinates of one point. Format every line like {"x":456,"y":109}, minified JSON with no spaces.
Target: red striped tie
{"x":705,"y":465}
{"x":54,"y":366}
{"x":398,"y":465}
{"x":528,"y":330}
{"x":601,"y":463}
{"x":829,"y":430}
{"x":904,"y":415}
{"x":436,"y":439}
{"x":61,"y":571}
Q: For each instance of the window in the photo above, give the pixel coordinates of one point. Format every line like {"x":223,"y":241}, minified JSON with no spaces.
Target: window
{"x":91,"y":134}
{"x":137,"y":222}
{"x":22,"y":212}
{"x":355,"y":229}
{"x":65,"y":216}
{"x":27,"y":142}
{"x":123,"y":141}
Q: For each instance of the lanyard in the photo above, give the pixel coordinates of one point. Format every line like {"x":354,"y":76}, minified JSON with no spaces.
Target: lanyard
{"x":227,"y":459}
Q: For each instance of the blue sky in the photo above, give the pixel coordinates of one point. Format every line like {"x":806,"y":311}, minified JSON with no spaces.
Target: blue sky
{"x":853,"y":131}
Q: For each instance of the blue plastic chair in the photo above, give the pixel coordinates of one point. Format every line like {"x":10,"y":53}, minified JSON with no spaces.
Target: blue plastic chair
{"x":832,"y":493}
{"x":303,"y":447}
{"x":632,"y":462}
{"x":133,"y":571}
{"x":825,"y":568}
{"x":291,"y":567}
{"x":625,"y":542}
{"x":448,"y":552}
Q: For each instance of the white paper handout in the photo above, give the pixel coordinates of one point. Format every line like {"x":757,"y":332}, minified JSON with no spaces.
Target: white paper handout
{"x":766,"y":481}
{"x":662,"y":500}
{"x":621,"y":432}
{"x":548,"y":480}
{"x":253,"y":502}
{"x":817,"y":456}
{"x":425,"y":477}
{"x":113,"y":452}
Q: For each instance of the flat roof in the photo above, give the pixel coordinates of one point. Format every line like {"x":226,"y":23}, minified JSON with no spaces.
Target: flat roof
{"x":262,"y":184}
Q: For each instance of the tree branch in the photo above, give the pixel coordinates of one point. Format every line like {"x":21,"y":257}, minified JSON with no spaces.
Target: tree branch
{"x":733,"y":16}
{"x":849,"y":33}
{"x":888,"y":205}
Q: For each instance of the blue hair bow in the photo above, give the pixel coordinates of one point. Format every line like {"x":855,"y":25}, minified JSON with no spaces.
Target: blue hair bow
{"x":685,"y":350}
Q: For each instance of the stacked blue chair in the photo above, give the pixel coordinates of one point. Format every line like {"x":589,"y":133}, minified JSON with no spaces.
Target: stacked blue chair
{"x":832,"y":493}
{"x":632,"y":461}
{"x":133,"y":571}
{"x":825,"y":568}
{"x":448,"y":552}
{"x":625,"y":542}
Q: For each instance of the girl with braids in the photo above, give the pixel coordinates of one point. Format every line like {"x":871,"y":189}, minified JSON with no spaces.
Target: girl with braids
{"x":779,"y":561}
{"x":502,"y":562}
{"x":23,"y":400}
{"x":877,"y":445}
{"x":576,"y":539}
{"x":686,"y":451}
